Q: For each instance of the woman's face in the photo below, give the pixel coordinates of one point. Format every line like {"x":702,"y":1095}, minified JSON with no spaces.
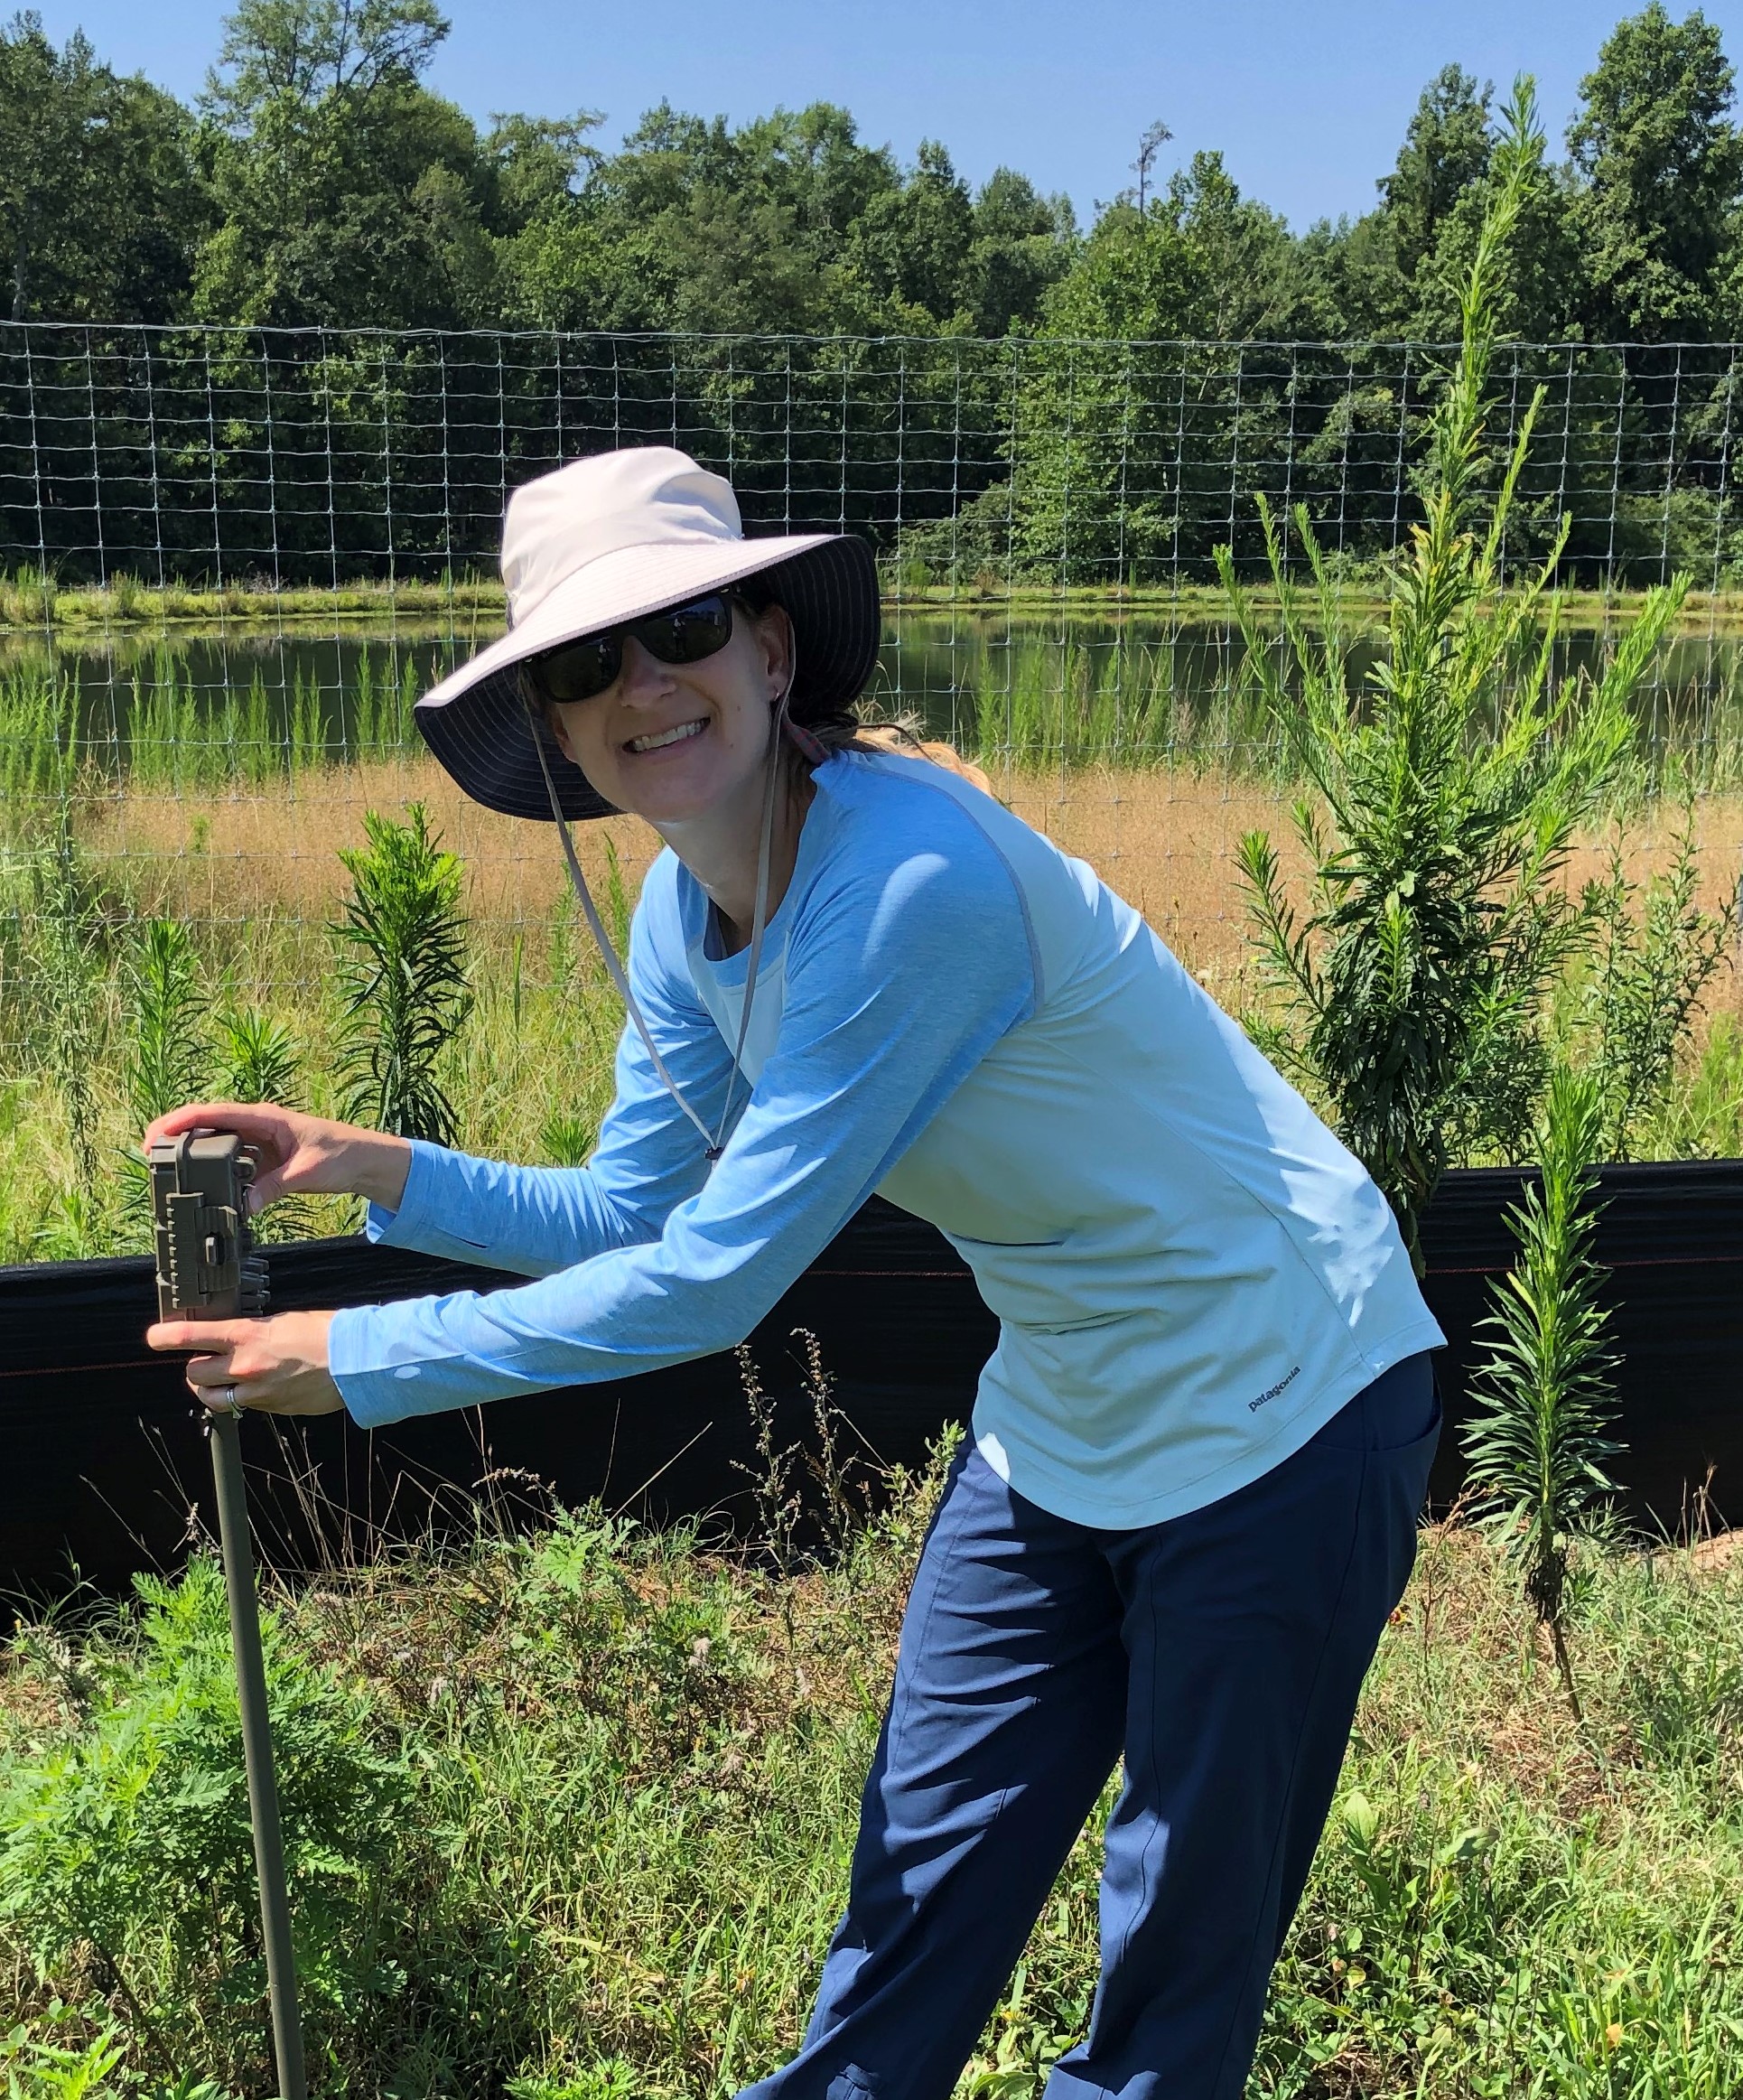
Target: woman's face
{"x":672,"y":743}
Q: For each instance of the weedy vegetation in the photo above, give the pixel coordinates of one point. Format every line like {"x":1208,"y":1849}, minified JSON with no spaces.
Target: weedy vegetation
{"x":569,"y":1809}
{"x":1449,"y":786}
{"x":1538,"y":1446}
{"x":402,"y":973}
{"x":1653,"y":953}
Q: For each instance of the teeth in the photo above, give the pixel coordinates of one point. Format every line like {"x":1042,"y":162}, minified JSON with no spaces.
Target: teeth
{"x":666,"y":736}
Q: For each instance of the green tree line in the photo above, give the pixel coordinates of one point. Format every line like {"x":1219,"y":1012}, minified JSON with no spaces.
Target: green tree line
{"x":319,"y":182}
{"x":319,"y":179}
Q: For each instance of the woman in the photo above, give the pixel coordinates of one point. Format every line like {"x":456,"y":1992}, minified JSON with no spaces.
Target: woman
{"x":1189,"y":1500}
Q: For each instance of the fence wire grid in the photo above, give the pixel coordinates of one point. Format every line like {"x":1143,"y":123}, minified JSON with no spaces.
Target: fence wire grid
{"x":1046,"y":516}
{"x":317,"y":456}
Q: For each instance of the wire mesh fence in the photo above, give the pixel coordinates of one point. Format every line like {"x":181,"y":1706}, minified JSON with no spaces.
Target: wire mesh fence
{"x":317,"y":456}
{"x":233,"y":558}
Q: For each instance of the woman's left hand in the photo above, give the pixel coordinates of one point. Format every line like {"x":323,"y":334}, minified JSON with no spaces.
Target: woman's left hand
{"x":278,"y":1365}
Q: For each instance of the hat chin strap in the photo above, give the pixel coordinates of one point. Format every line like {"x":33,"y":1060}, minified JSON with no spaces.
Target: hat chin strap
{"x":715,"y":1143}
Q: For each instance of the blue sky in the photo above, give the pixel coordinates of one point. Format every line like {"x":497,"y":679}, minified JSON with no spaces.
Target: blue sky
{"x":1307,"y":98}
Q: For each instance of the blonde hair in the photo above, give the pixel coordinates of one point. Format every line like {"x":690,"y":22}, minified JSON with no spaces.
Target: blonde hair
{"x":899,"y":733}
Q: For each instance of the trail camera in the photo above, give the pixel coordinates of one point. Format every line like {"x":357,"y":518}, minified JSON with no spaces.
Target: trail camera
{"x":207,"y":1268}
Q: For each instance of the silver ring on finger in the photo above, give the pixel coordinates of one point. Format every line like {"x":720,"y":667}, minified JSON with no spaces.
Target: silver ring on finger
{"x":231,"y":1404}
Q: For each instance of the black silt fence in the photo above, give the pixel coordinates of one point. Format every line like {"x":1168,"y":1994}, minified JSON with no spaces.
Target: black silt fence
{"x":105,"y":1459}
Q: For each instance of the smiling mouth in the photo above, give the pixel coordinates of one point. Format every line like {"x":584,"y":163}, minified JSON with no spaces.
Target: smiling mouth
{"x":659,"y":739}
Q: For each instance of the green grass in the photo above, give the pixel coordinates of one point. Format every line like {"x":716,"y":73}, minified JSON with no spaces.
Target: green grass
{"x":32,"y":602}
{"x":1068,"y":703}
{"x":571,"y":1813}
{"x":532,"y":1069}
{"x":1063,"y":683}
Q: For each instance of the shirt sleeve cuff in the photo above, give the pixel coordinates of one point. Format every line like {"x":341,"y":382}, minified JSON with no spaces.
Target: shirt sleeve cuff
{"x":395,"y":1228}
{"x":373,"y":1393}
{"x":432,"y":1214}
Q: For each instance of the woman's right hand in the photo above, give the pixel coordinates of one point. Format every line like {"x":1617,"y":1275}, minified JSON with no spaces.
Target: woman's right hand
{"x":298,"y":1154}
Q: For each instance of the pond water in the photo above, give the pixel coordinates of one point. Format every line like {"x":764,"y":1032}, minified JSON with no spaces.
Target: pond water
{"x":1071,"y":688}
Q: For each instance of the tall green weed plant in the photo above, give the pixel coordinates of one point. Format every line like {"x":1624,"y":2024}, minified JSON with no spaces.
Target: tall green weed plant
{"x":1540,"y":1444}
{"x":381,"y":706}
{"x":1703,"y":1117}
{"x":170,"y":1046}
{"x":403,"y":980}
{"x":38,"y":743}
{"x":308,"y":744}
{"x":1049,"y":702}
{"x":1447,"y":789}
{"x":169,"y":1040}
{"x":177,"y":741}
{"x":258,"y":1058}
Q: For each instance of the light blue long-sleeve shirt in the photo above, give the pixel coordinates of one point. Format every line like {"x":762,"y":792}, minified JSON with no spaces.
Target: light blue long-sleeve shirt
{"x":1191,"y":1274}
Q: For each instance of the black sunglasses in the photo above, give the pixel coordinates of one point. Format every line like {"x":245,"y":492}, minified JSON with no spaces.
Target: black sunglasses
{"x":682,"y":634}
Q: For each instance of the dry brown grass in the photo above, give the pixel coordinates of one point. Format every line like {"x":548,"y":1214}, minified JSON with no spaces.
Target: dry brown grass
{"x":1165,"y":840}
{"x":253,"y":855}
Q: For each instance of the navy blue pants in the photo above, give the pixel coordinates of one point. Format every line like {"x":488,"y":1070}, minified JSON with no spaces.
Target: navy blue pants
{"x":1221,"y":1652}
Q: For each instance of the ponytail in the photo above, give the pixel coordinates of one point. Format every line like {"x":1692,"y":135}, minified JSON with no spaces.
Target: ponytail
{"x":860,"y":725}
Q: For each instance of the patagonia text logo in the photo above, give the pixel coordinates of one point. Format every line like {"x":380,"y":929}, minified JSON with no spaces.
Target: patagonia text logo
{"x":1271,"y":1392}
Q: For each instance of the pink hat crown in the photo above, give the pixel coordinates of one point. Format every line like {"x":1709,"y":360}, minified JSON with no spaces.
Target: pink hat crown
{"x":647,"y":496}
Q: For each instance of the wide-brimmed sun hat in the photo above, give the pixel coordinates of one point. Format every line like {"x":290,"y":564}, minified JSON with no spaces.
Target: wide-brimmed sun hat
{"x":612,"y":538}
